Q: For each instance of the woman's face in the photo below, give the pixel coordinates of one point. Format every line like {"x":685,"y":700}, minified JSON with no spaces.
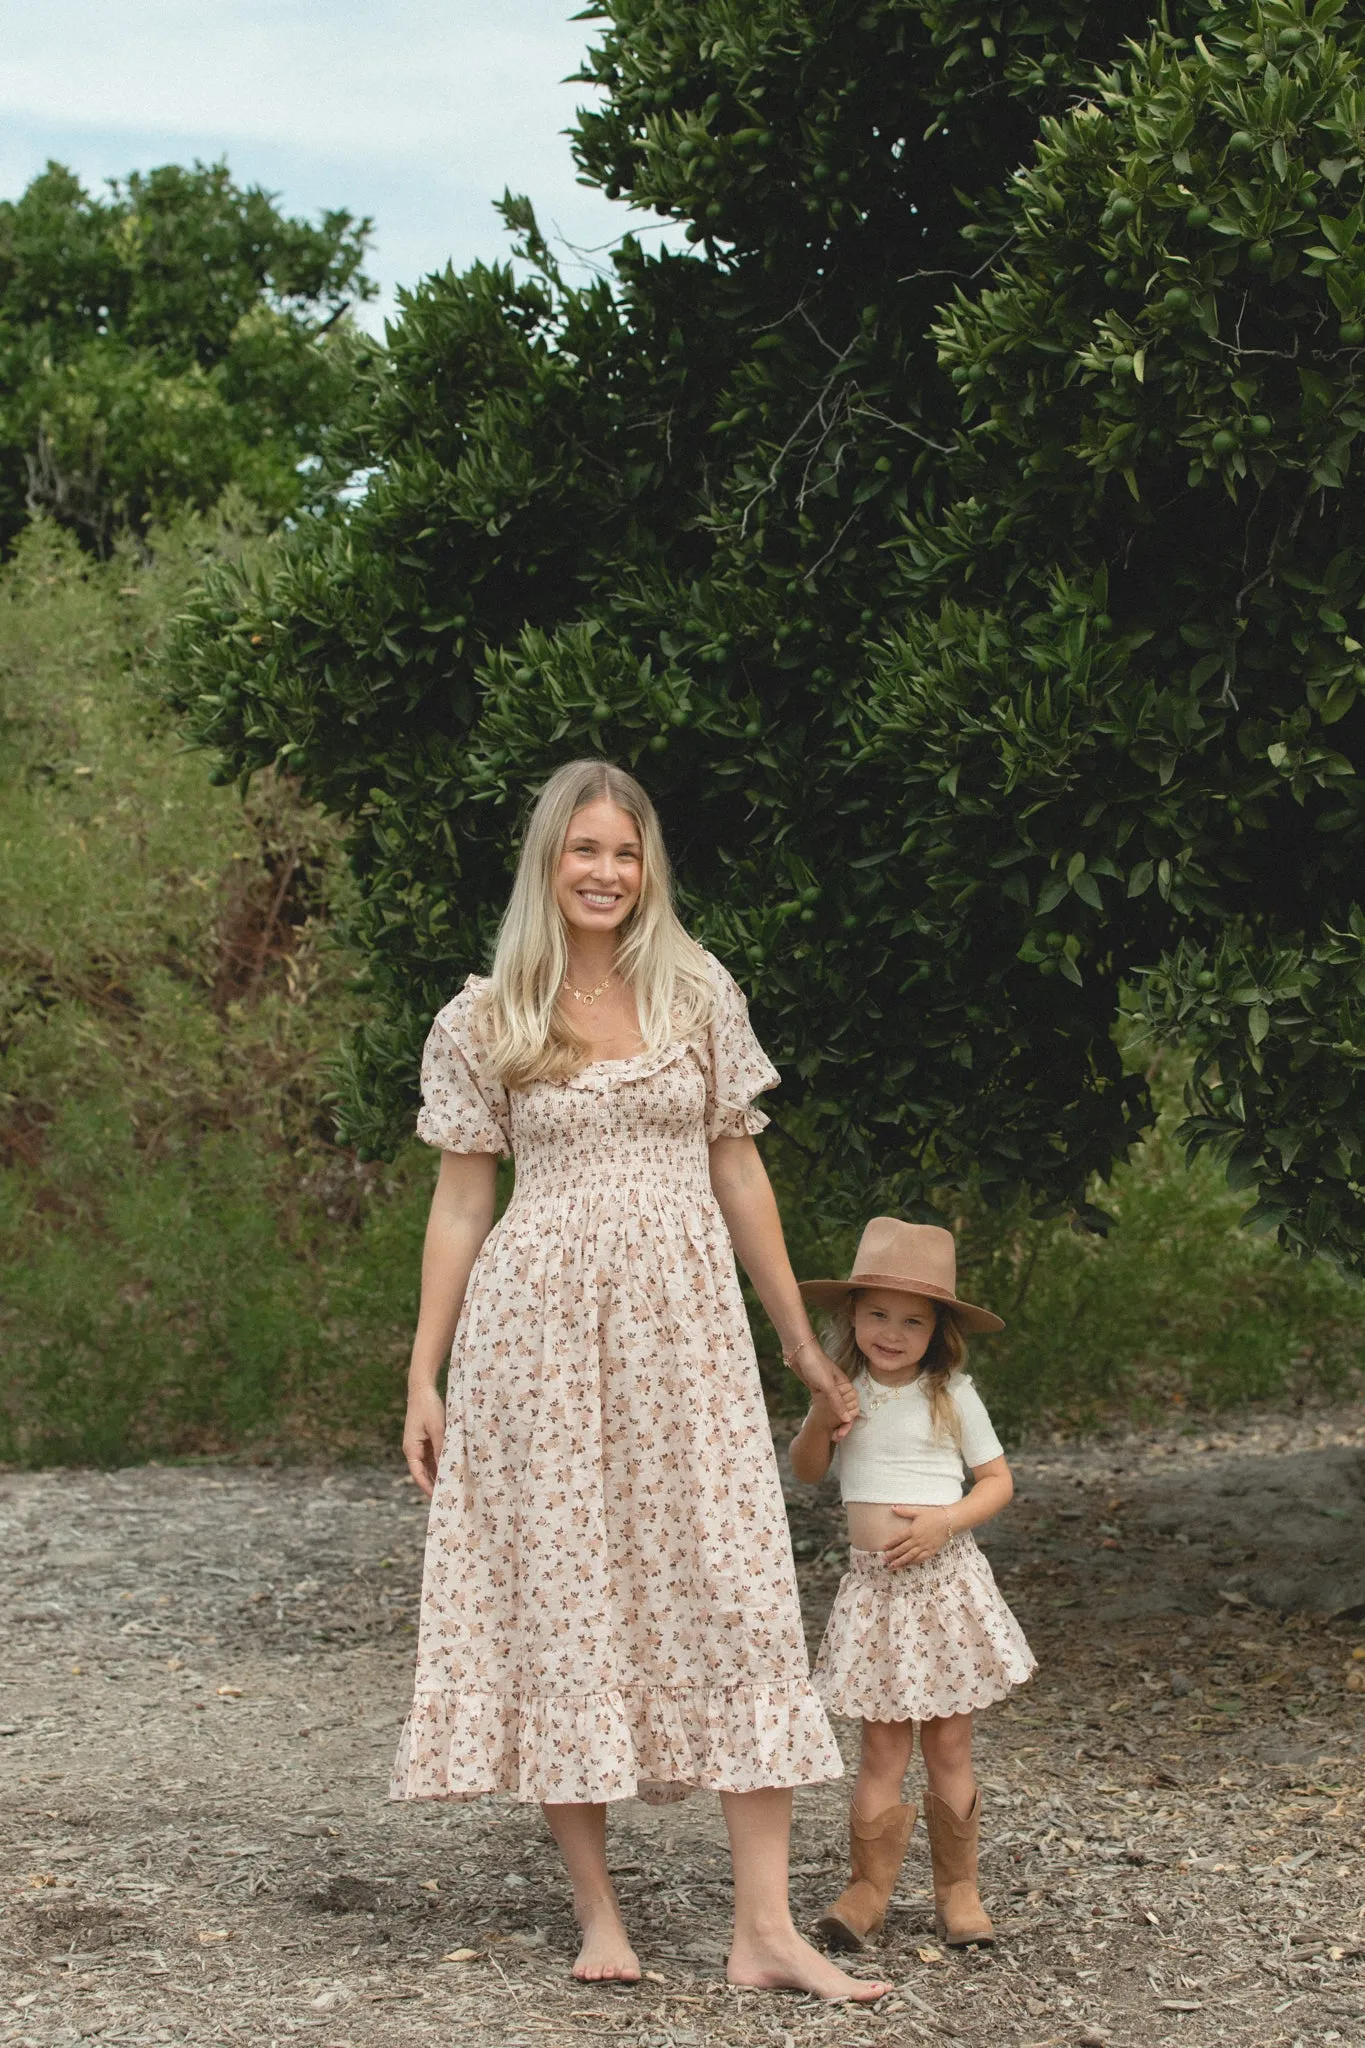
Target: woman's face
{"x":601,"y":868}
{"x":893,"y":1329}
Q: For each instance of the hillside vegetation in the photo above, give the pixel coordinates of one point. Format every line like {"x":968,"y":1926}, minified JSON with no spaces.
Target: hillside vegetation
{"x":189,"y":1263}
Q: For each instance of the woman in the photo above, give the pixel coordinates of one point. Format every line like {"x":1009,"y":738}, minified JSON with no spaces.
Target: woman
{"x":609,"y":1606}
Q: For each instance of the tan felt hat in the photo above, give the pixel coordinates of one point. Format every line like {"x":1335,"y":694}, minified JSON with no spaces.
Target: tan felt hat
{"x":911,"y":1258}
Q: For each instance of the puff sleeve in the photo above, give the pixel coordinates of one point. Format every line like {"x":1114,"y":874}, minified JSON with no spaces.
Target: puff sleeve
{"x":463,"y":1108}
{"x":737,"y":1068}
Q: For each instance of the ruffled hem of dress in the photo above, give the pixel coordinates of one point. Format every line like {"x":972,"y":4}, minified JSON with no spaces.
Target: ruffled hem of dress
{"x":653,"y":1743}
{"x":923,"y":1643}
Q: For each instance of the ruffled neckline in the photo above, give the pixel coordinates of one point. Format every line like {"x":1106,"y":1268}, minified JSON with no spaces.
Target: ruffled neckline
{"x":640,"y":1066}
{"x":600,"y":1075}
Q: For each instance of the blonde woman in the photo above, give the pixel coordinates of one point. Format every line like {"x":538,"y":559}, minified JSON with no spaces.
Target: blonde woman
{"x":609,"y":1607}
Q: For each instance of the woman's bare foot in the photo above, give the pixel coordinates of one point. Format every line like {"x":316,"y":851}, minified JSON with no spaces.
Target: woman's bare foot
{"x":606,"y":1956}
{"x":783,"y":1962}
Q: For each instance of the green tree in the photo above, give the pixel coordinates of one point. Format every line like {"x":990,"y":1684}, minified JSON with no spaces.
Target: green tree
{"x":155,"y":345}
{"x":956,"y":538}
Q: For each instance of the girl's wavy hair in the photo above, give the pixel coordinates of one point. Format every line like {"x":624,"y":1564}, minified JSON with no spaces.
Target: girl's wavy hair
{"x":947,"y":1354}
{"x":527,"y":1034}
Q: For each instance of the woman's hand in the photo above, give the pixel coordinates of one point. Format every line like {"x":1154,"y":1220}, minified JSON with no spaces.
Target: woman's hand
{"x":461,"y":1217}
{"x":423,"y":1434}
{"x":745,"y":1195}
{"x":832,"y":1391}
{"x":929,"y":1530}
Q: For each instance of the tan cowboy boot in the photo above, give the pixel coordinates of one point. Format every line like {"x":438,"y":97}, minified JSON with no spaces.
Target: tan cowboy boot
{"x":958,"y":1912}
{"x":876,"y":1850}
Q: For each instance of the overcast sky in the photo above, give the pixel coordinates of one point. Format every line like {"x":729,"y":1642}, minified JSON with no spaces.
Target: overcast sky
{"x":418,"y":114}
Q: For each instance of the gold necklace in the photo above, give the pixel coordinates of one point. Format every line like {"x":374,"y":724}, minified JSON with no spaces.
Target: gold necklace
{"x":589,"y":996}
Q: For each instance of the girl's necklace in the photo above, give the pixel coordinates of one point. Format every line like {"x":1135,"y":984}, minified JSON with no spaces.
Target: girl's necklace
{"x":589,"y":996}
{"x":878,"y":1395}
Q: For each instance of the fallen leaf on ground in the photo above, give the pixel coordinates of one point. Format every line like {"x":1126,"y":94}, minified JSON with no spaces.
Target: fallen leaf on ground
{"x":461,"y":1955}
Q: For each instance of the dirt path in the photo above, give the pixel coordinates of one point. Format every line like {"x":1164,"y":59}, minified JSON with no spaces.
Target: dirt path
{"x":204,"y":1672}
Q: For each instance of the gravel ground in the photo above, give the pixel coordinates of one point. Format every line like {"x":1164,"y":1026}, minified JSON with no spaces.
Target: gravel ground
{"x":206,"y":1669}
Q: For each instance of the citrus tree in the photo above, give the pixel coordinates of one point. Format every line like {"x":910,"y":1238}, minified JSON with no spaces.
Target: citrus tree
{"x":957,"y":537}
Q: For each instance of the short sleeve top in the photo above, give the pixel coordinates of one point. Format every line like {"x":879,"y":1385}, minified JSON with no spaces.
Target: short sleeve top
{"x":892,"y":1455}
{"x":736,"y":1067}
{"x":466,"y":1109}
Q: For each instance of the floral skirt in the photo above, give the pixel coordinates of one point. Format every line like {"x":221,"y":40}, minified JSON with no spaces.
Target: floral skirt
{"x":933,"y":1639}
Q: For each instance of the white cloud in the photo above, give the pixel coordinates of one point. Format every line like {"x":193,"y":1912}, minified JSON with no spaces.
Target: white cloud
{"x":419,"y":114}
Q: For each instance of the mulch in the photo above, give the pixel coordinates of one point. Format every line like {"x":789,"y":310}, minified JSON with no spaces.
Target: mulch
{"x":205,"y":1669}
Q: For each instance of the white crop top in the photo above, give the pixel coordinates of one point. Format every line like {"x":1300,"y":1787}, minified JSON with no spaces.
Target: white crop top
{"x":891,"y":1454}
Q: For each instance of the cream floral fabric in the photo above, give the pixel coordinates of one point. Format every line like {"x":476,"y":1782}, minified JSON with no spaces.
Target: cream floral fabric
{"x":608,"y":1607}
{"x":935,"y":1638}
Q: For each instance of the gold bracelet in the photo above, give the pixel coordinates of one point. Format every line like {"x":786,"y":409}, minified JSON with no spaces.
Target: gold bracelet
{"x":949,"y":1520}
{"x":789,"y":1358}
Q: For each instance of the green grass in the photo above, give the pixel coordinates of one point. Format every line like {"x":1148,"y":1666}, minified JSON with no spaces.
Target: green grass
{"x":189,"y":1264}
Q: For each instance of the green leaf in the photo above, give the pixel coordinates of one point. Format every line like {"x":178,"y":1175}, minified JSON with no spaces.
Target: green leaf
{"x":1244,"y":1166}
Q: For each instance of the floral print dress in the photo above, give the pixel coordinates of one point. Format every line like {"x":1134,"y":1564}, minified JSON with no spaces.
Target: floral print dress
{"x":609,"y":1606}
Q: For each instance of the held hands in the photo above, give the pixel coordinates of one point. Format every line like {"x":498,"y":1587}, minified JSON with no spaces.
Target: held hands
{"x":423,"y":1434}
{"x":929,"y":1530}
{"x":833,"y":1393}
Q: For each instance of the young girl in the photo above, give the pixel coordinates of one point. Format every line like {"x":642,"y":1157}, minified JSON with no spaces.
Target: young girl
{"x":919,"y":1630}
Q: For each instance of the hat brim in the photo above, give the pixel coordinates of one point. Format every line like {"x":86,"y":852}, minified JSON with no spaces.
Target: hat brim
{"x":834,"y":1294}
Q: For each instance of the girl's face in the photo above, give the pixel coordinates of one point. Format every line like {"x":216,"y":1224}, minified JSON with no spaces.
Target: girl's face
{"x":601,"y":868}
{"x":893,"y":1330}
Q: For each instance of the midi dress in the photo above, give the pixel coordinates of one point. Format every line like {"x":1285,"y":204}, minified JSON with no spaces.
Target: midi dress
{"x":609,"y":1605}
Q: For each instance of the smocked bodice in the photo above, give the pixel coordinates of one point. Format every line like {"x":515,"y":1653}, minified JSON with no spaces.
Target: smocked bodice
{"x":616,"y":1126}
{"x":641,"y":1124}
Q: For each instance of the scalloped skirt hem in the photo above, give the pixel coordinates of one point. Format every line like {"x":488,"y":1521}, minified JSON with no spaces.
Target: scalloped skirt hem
{"x":644,"y":1742}
{"x":920,"y":1644}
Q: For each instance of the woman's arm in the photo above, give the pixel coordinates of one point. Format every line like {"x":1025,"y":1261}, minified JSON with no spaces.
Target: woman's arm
{"x":461,"y":1217}
{"x":930,"y":1527}
{"x":744,"y":1192}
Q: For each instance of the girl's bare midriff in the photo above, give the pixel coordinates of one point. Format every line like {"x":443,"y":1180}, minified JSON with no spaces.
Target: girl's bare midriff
{"x":872,"y":1524}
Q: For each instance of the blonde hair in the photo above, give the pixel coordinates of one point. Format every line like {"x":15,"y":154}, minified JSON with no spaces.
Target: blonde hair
{"x":947,"y":1354}
{"x":528,"y":1037}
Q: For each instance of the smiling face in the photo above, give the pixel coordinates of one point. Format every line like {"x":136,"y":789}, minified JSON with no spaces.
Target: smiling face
{"x":893,"y":1330}
{"x":601,"y":868}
